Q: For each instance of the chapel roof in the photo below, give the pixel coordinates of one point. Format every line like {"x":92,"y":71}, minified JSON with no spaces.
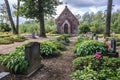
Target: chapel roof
{"x":68,"y":11}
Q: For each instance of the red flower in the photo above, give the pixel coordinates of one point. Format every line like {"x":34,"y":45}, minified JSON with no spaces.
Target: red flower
{"x":98,"y":55}
{"x":107,"y":45}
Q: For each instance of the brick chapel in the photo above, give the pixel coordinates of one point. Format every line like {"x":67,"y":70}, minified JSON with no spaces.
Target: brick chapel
{"x":67,"y":23}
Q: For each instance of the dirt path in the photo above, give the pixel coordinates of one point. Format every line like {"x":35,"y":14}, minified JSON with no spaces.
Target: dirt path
{"x":10,"y":47}
{"x":58,"y":68}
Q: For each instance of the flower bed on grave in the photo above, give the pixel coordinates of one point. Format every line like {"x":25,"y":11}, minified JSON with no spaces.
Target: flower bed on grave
{"x":90,"y":68}
{"x":15,"y":61}
{"x":11,"y":39}
{"x":86,"y":46}
{"x":91,"y":64}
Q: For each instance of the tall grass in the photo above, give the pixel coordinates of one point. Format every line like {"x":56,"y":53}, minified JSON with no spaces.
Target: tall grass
{"x":29,"y":27}
{"x":35,"y":27}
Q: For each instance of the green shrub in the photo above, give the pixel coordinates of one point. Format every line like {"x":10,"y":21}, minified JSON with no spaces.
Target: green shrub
{"x":19,"y":38}
{"x":106,"y":63}
{"x":80,"y":40}
{"x":29,"y":27}
{"x":59,"y":45}
{"x":85,"y":74}
{"x":89,"y":74}
{"x":108,"y":38}
{"x":4,"y":27}
{"x":15,"y":61}
{"x":117,"y":39}
{"x":89,"y":68}
{"x":50,"y":29}
{"x":6,"y":40}
{"x":64,"y":39}
{"x":89,"y":48}
{"x":118,"y":43}
{"x":100,"y":36}
{"x":84,"y":28}
{"x":11,"y":39}
{"x":48,"y":48}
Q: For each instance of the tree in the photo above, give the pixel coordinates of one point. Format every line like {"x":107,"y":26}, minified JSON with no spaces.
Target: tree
{"x":84,"y":28}
{"x":37,"y":9}
{"x":10,"y":17}
{"x":17,"y":17}
{"x":108,"y":18}
{"x":115,"y":22}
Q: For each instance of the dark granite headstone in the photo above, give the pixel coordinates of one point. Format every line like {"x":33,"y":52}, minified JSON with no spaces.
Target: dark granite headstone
{"x":32,"y":55}
{"x":113,"y":45}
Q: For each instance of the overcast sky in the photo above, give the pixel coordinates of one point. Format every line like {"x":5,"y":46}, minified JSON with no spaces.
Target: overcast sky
{"x":82,"y":6}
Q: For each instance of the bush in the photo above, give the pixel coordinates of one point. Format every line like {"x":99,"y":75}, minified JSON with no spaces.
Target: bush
{"x":48,"y":48}
{"x":106,"y":63}
{"x":29,"y":27}
{"x":6,"y":40}
{"x":64,"y":39}
{"x":89,"y":48}
{"x":100,"y":36}
{"x":85,"y":74}
{"x":84,"y":28}
{"x":19,"y":38}
{"x":50,"y":29}
{"x":89,"y":68}
{"x":59,"y":45}
{"x":118,"y":43}
{"x":89,"y":74}
{"x":4,"y":27}
{"x":15,"y":61}
{"x":80,"y":40}
{"x":12,"y":39}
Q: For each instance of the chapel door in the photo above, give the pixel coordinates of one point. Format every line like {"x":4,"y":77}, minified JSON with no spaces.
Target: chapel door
{"x":66,"y":28}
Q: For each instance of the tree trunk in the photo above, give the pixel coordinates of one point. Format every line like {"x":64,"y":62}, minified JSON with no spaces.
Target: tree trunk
{"x":42,"y":27}
{"x":17,"y":18}
{"x":10,"y":17}
{"x":41,"y":20}
{"x":108,"y":18}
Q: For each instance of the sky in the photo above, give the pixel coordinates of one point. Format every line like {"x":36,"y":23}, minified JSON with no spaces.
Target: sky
{"x":81,"y":6}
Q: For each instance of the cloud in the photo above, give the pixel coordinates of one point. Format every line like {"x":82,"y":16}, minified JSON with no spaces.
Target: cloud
{"x":12,"y":1}
{"x":94,"y":9}
{"x":90,"y":3}
{"x":86,"y":3}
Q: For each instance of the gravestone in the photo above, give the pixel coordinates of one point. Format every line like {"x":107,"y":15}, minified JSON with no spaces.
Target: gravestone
{"x":113,"y":45}
{"x":33,"y":34}
{"x":32,"y":55}
{"x":5,"y":76}
{"x":96,"y":37}
{"x":90,"y":35}
{"x":82,"y":35}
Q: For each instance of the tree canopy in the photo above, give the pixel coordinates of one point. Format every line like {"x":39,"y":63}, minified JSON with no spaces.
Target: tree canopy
{"x":37,"y":9}
{"x":30,"y":8}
